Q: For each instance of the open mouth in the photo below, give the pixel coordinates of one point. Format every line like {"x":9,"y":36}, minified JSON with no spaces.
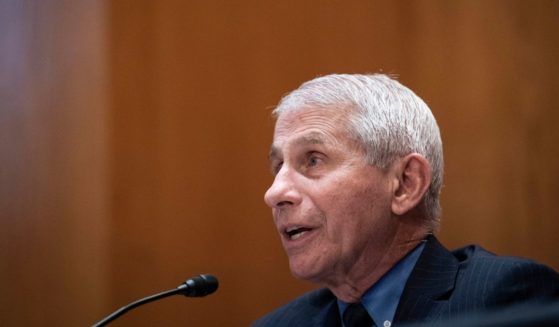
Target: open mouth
{"x":295,"y":232}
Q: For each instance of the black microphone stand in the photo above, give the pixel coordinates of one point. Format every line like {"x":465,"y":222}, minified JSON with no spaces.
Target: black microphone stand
{"x":135,"y":304}
{"x":197,"y":286}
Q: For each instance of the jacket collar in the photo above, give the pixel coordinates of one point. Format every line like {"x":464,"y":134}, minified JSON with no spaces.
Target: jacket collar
{"x":430,"y":283}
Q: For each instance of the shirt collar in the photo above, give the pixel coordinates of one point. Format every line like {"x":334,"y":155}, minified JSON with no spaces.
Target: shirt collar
{"x":381,"y":299}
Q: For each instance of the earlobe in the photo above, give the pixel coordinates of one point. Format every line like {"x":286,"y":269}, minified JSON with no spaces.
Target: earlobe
{"x":414,"y":177}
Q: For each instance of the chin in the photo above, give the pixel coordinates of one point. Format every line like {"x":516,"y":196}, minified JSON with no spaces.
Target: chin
{"x":305,"y":272}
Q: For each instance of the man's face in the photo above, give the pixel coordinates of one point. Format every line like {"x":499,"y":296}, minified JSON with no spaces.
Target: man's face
{"x":331,"y":208}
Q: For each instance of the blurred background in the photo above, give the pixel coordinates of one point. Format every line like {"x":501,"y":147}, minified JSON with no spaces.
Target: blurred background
{"x":134,"y":138}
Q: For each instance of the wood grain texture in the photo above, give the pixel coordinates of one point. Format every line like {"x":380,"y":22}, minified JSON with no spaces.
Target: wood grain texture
{"x":53,"y":165}
{"x":134,"y":138}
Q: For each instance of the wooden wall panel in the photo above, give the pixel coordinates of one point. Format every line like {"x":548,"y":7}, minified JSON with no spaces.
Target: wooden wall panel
{"x":491,"y":81}
{"x":53,"y":177}
{"x":197,"y":78}
{"x":134,"y":140}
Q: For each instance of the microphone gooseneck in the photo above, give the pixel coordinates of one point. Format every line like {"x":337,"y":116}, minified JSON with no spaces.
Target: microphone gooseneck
{"x":197,"y":286}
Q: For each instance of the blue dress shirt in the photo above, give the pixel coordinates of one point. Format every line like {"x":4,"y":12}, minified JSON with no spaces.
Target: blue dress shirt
{"x":381,"y":300}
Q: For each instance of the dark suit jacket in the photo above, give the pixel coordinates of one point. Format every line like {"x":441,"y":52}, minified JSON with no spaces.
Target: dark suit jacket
{"x":531,"y":314}
{"x":442,"y":285}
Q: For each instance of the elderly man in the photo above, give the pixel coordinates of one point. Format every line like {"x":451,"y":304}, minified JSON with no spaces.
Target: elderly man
{"x":358,"y":168}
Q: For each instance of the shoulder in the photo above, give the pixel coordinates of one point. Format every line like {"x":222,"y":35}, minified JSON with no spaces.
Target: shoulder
{"x":476,"y":259}
{"x":301,"y":311}
{"x":507,"y":278}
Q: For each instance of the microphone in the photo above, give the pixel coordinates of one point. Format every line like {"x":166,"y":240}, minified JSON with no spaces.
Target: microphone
{"x":197,"y":286}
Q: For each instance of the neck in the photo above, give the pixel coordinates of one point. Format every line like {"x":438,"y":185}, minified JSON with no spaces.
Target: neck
{"x":373,"y":267}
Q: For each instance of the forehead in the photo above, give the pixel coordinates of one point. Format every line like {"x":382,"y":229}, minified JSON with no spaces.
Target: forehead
{"x":321,"y":118}
{"x":311,"y":126}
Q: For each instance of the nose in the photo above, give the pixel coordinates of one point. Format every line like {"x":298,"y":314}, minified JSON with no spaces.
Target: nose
{"x":283,"y":191}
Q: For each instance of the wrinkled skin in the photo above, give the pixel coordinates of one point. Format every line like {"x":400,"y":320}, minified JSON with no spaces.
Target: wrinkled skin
{"x":338,"y":203}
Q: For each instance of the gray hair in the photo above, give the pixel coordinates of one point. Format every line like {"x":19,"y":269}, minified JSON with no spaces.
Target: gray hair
{"x":389,"y":119}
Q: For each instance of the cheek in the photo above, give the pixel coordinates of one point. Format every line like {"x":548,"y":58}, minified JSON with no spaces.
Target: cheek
{"x":364,"y":208}
{"x":345,"y":213}
{"x":350,"y":206}
{"x":361,"y":198}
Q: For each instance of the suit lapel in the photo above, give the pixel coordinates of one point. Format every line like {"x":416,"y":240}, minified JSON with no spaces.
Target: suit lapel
{"x":325,"y":310}
{"x":429,"y":285}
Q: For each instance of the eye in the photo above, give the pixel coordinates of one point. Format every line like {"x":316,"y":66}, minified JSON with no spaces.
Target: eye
{"x":276,"y":167}
{"x":314,"y":159}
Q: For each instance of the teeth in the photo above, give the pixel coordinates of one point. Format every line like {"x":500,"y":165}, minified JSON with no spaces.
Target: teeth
{"x":296,"y":236}
{"x":295,"y":232}
{"x":292,"y":229}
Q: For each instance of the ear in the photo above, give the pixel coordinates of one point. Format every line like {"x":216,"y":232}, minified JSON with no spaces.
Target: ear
{"x":413,"y":177}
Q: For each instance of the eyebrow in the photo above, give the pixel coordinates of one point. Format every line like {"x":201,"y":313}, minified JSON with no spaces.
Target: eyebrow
{"x":311,"y":138}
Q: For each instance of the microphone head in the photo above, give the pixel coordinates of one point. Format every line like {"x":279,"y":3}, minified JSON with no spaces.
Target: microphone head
{"x":200,"y":285}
